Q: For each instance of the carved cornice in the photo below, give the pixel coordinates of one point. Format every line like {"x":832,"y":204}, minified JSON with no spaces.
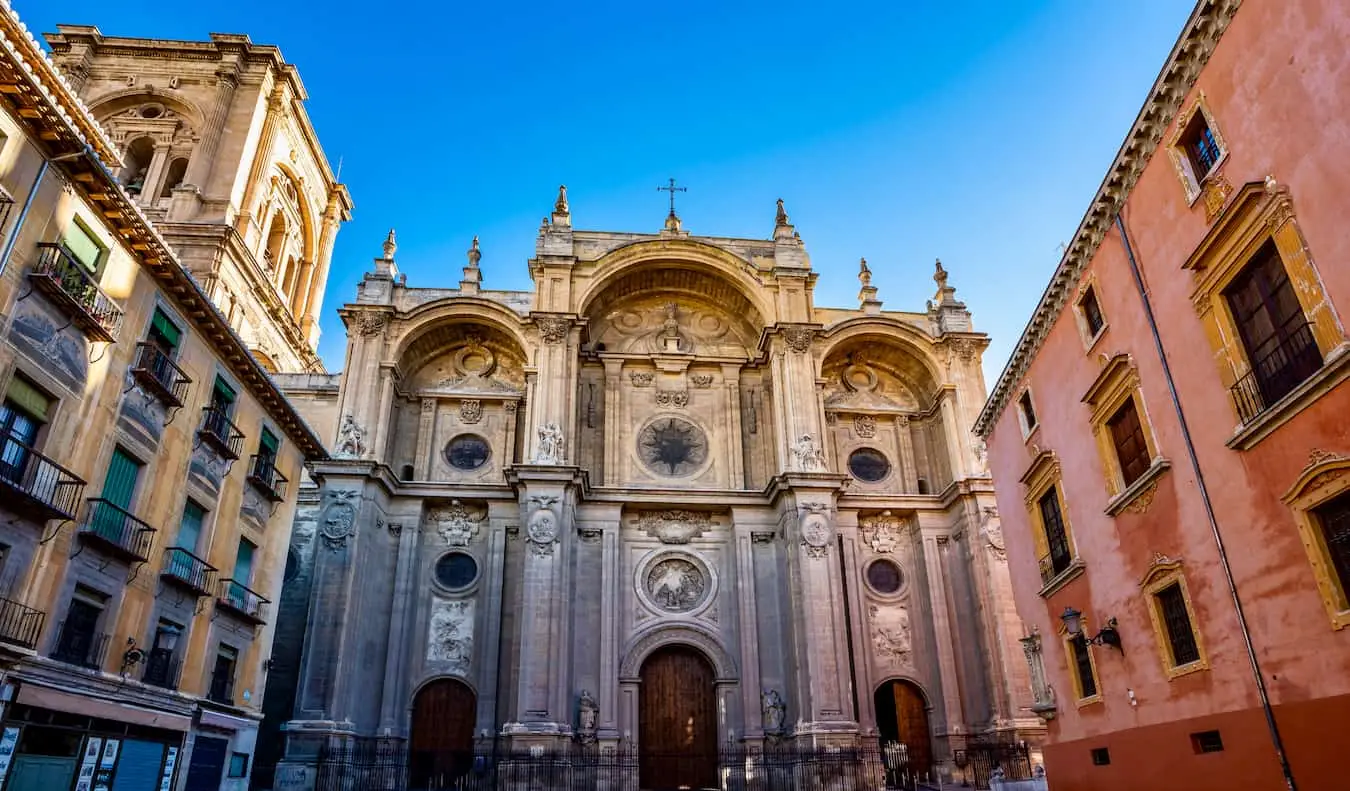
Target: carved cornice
{"x":1189,"y":55}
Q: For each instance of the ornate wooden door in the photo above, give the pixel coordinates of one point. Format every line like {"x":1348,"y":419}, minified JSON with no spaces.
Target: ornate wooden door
{"x":441,"y":743}
{"x":911,"y":716}
{"x":677,"y":721}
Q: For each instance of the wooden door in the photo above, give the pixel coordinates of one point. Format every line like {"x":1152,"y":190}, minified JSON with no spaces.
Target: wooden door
{"x":677,"y":721}
{"x":441,"y":743}
{"x":911,"y":714}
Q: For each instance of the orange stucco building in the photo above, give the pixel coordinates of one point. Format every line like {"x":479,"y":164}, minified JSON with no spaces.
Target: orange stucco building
{"x":1171,"y":438}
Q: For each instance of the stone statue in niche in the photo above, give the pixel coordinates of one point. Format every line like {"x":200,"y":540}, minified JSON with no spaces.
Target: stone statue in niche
{"x":774,"y":711}
{"x":351,"y":442}
{"x":980,"y":451}
{"x":588,"y":715}
{"x":809,"y":456}
{"x":550,"y":444}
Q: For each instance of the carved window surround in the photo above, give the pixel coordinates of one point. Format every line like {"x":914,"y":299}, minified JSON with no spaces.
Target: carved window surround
{"x":1079,"y":699}
{"x":1040,"y":478}
{"x":1084,"y":330}
{"x":1326,"y":476}
{"x":1117,"y":383}
{"x":1261,"y":213}
{"x":1162,"y":573}
{"x":1191,"y":181}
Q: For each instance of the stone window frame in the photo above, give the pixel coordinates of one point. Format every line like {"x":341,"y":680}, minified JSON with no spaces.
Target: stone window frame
{"x":1028,"y":428}
{"x":1043,"y":475}
{"x":1089,"y":286}
{"x":1066,"y":642}
{"x":1326,"y":477}
{"x":1117,"y":383}
{"x":461,"y":592}
{"x":1261,"y":213}
{"x":1163,"y":573}
{"x":1192,"y":183}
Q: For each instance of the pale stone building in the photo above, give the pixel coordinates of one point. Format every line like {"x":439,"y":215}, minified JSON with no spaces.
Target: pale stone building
{"x":661,"y":499}
{"x":218,"y":151}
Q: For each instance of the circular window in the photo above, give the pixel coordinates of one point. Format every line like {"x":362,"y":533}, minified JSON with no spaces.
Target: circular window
{"x":868,"y":464}
{"x":884,"y":576}
{"x":152,"y":111}
{"x":456,"y":570}
{"x":467,"y":452}
{"x":672,"y":447}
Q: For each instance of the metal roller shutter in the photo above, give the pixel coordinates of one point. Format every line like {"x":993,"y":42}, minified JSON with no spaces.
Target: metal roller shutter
{"x":138,"y":768}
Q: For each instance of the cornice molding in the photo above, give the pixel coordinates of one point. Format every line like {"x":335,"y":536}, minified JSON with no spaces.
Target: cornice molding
{"x":1188,"y":57}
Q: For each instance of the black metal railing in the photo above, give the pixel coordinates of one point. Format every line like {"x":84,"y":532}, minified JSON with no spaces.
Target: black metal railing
{"x":158,"y":373}
{"x":36,"y":482}
{"x":1013,"y":759}
{"x":184,"y":568}
{"x":243,"y":601}
{"x":116,"y":530}
{"x":76,"y":645}
{"x":72,"y":287}
{"x":221,"y":689}
{"x":382,"y":765}
{"x":161,"y":669}
{"x":220,"y":432}
{"x":1277,"y":372}
{"x":262,"y":473}
{"x":20,"y":624}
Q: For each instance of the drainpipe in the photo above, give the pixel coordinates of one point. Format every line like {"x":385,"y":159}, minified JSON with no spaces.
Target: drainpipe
{"x":1261,"y":691}
{"x":28,"y":203}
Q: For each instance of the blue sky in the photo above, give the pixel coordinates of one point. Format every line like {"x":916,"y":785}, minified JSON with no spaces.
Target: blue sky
{"x":902,"y":132}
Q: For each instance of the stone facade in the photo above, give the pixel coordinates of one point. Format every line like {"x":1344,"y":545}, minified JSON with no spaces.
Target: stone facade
{"x":664,"y":443}
{"x":218,"y":151}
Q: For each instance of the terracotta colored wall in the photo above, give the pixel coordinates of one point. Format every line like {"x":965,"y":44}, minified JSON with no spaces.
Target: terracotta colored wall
{"x":1277,"y":87}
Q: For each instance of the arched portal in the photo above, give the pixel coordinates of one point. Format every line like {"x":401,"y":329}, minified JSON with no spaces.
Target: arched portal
{"x":441,"y":739}
{"x":677,"y":720}
{"x":902,"y":719}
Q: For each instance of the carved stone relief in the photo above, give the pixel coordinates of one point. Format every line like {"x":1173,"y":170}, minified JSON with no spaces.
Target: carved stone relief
{"x":701,"y":381}
{"x":808,"y":454}
{"x":891,"y":633}
{"x":676,"y":584}
{"x":455,"y":523}
{"x":881,"y":532}
{"x":351,"y":442}
{"x":450,"y":640}
{"x":865,"y":426}
{"x":542,"y":527}
{"x":674,"y":526}
{"x":470,"y":411}
{"x":551,"y":449}
{"x":672,"y":398}
{"x":553,"y":329}
{"x":816,"y":529}
{"x":339,"y":518}
{"x":642,"y":378}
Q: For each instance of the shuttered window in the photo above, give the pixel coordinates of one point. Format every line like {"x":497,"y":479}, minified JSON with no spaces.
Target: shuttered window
{"x":190,"y":530}
{"x":164,"y":333}
{"x":120,"y":484}
{"x":81,"y":244}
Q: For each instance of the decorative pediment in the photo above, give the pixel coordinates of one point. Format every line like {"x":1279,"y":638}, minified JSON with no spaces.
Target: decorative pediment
{"x":1160,"y":566}
{"x":1043,"y":471}
{"x":1324,"y":470}
{"x":1118,"y":375}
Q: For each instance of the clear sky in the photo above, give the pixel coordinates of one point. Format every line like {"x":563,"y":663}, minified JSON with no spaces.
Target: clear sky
{"x":901,"y":131}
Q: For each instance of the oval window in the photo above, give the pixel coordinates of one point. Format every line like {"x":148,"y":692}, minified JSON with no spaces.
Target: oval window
{"x":884,"y":576}
{"x":456,"y":570}
{"x":467,"y":452}
{"x":868,"y":464}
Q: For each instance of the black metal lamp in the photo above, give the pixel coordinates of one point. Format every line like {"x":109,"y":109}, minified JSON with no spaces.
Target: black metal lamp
{"x":132,"y":656}
{"x":1109,"y":634}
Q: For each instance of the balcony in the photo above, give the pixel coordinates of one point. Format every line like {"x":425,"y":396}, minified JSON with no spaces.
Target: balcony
{"x":157,"y":372}
{"x":79,"y":646}
{"x":220,"y":433}
{"x":161,"y":669}
{"x":186,"y":570}
{"x":243,"y":602}
{"x":35,"y":484}
{"x":221,"y":689}
{"x":20,"y":625}
{"x":262,"y":473}
{"x":1276,"y":373}
{"x":72,"y":288}
{"x":116,"y":531}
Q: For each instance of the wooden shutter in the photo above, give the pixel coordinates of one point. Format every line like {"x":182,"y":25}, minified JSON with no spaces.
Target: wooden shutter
{"x":190,"y":530}
{"x":120,"y":484}
{"x":167,"y":331}
{"x":81,"y":244}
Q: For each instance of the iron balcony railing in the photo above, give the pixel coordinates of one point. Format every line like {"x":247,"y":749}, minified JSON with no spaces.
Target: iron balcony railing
{"x":20,"y":624}
{"x":157,"y":372}
{"x":221,"y":689}
{"x":181,"y":567}
{"x":220,"y":433}
{"x":35,"y":482}
{"x":116,"y":531}
{"x":161,"y":669}
{"x":72,"y":288}
{"x":1277,"y":372}
{"x":246,"y":603}
{"x":76,"y":645}
{"x":262,"y":472}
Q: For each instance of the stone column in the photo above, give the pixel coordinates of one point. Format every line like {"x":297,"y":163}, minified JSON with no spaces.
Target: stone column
{"x":613,"y":427}
{"x":942,"y":627}
{"x":867,"y":720}
{"x":731,"y":384}
{"x":910,"y":468}
{"x":799,"y":412}
{"x":203,"y":159}
{"x":406,"y":591}
{"x":494,"y":575}
{"x":748,"y":629}
{"x":555,"y":385}
{"x":154,"y":174}
{"x":426,"y":433}
{"x":611,"y":584}
{"x":276,"y":104}
{"x":383,"y":413}
{"x":308,"y":315}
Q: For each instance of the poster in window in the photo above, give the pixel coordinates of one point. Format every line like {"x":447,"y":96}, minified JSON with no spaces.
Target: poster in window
{"x":103,"y":777}
{"x":7,"y":744}
{"x":91,"y":750}
{"x":167,"y":778}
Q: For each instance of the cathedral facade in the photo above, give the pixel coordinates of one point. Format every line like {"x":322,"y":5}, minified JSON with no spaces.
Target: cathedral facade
{"x":662,"y":499}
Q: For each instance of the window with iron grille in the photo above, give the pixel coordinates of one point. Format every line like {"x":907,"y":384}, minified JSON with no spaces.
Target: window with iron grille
{"x":1177,"y":620}
{"x":1055,"y":536}
{"x":1128,"y":437}
{"x":1280,"y":346}
{"x":1092,"y":312}
{"x":1207,"y":742}
{"x":1201,"y":146}
{"x":1082,"y":665}
{"x":1333,"y":517}
{"x":1101,"y":756}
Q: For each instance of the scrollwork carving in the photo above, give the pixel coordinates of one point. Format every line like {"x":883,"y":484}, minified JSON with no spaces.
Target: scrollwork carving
{"x":553,"y":329}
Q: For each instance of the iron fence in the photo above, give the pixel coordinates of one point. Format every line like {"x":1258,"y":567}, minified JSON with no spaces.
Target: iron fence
{"x":388,"y":766}
{"x":982,"y":758}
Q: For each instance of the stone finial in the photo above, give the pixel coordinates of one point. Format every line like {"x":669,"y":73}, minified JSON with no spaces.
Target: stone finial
{"x":940,"y":276}
{"x":673,"y":224}
{"x":390,"y":246}
{"x":781,"y":219}
{"x":867,"y":295}
{"x":560,"y":205}
{"x":864,"y":274}
{"x":472,"y":275}
{"x":562,"y":216}
{"x":782,"y":226}
{"x":475,"y":254}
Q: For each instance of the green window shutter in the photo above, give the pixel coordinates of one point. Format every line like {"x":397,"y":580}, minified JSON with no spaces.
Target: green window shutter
{"x":243,"y":563}
{"x":28,"y":399}
{"x":82,"y":244}
{"x":165,"y":329}
{"x":120,"y":484}
{"x":190,"y":530}
{"x":269,"y":444}
{"x":222,"y":395}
